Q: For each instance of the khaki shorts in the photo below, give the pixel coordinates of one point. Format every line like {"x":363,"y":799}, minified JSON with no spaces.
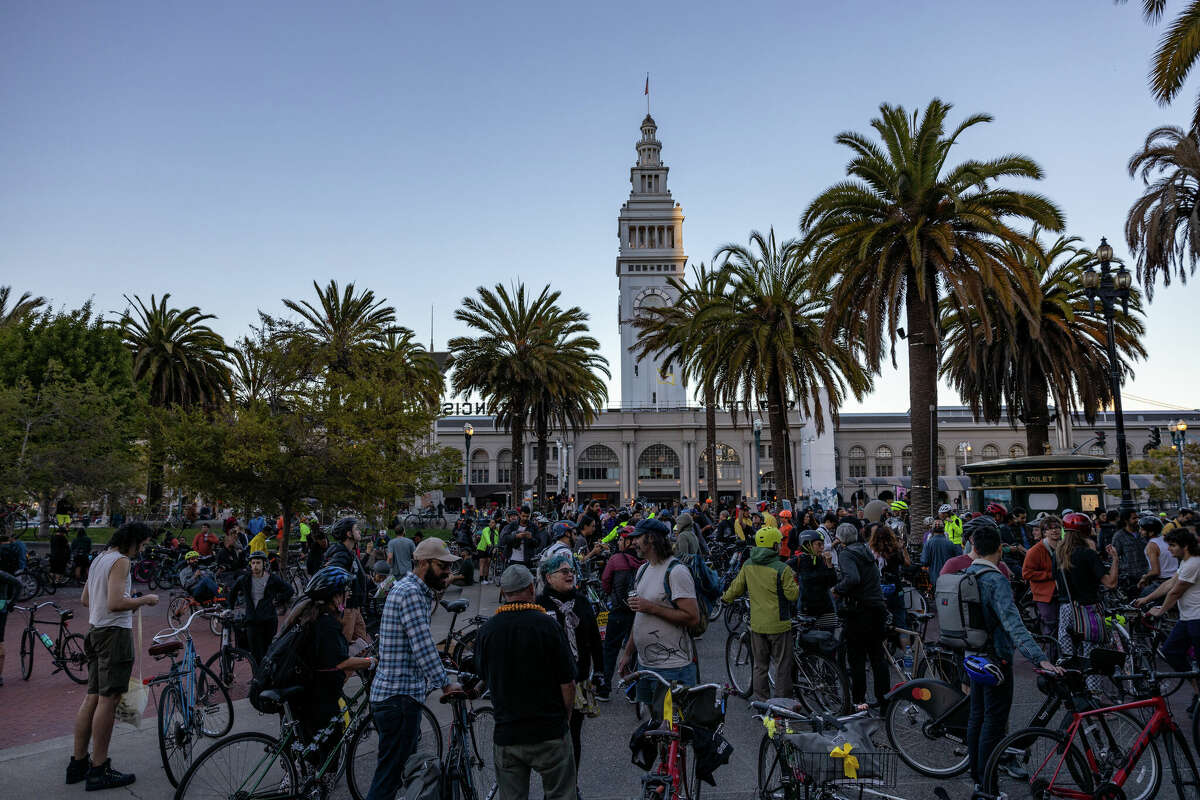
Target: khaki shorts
{"x":109,"y":653}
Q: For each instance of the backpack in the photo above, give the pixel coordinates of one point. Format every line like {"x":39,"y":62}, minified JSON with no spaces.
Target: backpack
{"x":10,"y":558}
{"x":283,"y":665}
{"x":423,"y":777}
{"x":959,"y":602}
{"x":707,"y":588}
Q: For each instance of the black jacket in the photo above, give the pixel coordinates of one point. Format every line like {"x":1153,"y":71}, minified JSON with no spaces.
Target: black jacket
{"x":277,"y":591}
{"x":338,"y":555}
{"x":230,"y":559}
{"x":859,"y":584}
{"x":816,"y":579}
{"x":531,"y":546}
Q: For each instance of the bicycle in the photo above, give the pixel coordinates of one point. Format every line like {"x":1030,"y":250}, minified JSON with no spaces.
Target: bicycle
{"x":457,"y":648}
{"x":233,"y":665}
{"x":252,"y":765}
{"x":191,"y":702}
{"x":1098,"y":762}
{"x":425,"y":519}
{"x":66,"y":650}
{"x":682,"y":708}
{"x":13,"y":520}
{"x":791,"y":767}
{"x":819,"y":680}
{"x":468,"y":766}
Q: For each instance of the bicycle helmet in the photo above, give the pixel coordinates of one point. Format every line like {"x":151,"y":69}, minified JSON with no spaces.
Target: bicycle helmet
{"x":978,"y":524}
{"x":785,"y":514}
{"x":190,"y":555}
{"x":808,"y":537}
{"x":982,"y":671}
{"x":899,"y":505}
{"x":1152,"y":524}
{"x":341,"y":529}
{"x":945,"y":508}
{"x":1080,"y":523}
{"x":995,"y":508}
{"x":259,"y":554}
{"x":327,"y":582}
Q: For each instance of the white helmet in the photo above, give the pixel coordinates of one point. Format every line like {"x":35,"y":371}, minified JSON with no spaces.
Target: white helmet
{"x":945,"y":508}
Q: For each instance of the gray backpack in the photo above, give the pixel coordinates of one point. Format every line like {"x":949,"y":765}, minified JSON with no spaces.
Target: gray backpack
{"x":959,"y":602}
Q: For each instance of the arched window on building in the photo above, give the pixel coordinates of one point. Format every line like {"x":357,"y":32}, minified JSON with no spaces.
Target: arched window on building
{"x":658,"y":462}
{"x":906,"y":461}
{"x":551,"y":481}
{"x":480,"y":469}
{"x":504,"y":466}
{"x":885,"y":462}
{"x":990,"y":452}
{"x":1016,"y":451}
{"x":729,"y":465}
{"x":858,"y":462}
{"x":599,"y":463}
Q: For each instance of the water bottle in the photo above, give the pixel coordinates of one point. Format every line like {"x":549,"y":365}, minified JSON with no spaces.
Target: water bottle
{"x":46,"y":640}
{"x":908,"y":660}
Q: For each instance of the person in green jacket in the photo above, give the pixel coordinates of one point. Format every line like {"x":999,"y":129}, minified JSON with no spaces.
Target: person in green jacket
{"x":485,"y":542}
{"x":773,"y":592}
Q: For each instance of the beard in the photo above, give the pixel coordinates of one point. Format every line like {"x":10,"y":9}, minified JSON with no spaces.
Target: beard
{"x":436,"y":582}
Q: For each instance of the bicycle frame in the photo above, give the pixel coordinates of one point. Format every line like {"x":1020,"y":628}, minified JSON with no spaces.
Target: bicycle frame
{"x":55,"y":649}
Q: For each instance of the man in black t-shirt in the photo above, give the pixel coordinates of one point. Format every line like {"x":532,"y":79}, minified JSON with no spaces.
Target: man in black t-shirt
{"x":523,"y":656}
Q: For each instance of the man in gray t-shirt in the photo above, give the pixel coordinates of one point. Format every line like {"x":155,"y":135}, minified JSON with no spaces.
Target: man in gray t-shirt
{"x":400,"y":554}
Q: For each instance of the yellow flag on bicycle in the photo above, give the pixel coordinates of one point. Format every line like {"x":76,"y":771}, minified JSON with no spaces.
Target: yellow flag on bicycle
{"x":769,"y":724}
{"x":668,"y":709}
{"x":849,"y":762}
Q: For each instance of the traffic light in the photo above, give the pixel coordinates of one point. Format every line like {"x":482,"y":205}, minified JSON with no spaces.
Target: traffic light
{"x":1100,"y":438}
{"x":1155,"y":439}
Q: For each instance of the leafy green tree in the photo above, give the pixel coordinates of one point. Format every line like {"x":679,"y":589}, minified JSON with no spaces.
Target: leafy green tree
{"x":1004,"y":368}
{"x":1163,"y":464}
{"x":1162,"y":228}
{"x":908,"y":228}
{"x":22,"y":307}
{"x":764,"y":339}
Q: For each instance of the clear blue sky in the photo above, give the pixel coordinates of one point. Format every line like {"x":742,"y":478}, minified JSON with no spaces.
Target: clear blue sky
{"x":231,"y":153}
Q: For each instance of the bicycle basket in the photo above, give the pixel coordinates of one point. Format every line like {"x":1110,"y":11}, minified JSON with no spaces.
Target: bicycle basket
{"x":824,"y":768}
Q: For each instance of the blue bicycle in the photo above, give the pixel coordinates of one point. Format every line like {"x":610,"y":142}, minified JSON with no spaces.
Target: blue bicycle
{"x":193,"y":702}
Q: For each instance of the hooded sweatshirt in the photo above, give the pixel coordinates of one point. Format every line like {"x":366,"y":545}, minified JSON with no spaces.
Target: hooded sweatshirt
{"x":773,"y":591}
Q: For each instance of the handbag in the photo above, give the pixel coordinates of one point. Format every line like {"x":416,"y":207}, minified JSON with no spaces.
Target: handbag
{"x":1087,"y":623}
{"x":133,"y":702}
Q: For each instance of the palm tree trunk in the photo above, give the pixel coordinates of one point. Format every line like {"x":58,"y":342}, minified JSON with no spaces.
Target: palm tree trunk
{"x":517,"y":478}
{"x":543,"y":435}
{"x":922,"y":399}
{"x":777,"y":419}
{"x":1037,"y":413}
{"x":710,"y":441}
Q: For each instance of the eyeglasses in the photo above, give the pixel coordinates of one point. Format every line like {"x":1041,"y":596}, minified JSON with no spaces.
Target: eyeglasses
{"x":564,"y":571}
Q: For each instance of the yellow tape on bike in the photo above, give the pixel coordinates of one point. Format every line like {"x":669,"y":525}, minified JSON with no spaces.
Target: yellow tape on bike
{"x":668,"y":709}
{"x":769,"y":724}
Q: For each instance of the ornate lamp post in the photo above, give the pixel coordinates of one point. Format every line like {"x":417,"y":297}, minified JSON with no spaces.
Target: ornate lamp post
{"x":1179,"y":439}
{"x":468,"y":432}
{"x":1110,"y":287}
{"x":757,"y":459}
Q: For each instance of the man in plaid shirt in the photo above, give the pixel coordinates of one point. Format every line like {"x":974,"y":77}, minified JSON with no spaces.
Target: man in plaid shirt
{"x":409,"y":665}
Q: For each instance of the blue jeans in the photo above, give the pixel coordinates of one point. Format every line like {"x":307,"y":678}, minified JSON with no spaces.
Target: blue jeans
{"x":398,"y":720}
{"x":648,"y":687}
{"x":204,"y":590}
{"x":988,"y":721}
{"x":1184,"y":636}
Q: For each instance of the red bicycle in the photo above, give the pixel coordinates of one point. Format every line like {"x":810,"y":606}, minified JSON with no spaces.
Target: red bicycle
{"x":676,"y":714}
{"x":1086,"y":761}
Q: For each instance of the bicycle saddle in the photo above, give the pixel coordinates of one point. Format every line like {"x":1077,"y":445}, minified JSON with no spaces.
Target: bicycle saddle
{"x":460,"y":694}
{"x":280,"y":695}
{"x":456,"y":606}
{"x":165,"y":649}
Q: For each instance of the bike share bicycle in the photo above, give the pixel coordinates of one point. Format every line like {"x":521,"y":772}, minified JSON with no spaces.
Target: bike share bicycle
{"x":66,"y":649}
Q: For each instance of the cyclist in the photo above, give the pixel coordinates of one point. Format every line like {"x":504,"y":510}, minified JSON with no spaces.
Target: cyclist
{"x":1184,"y":591}
{"x":1041,"y":571}
{"x":617,"y":582}
{"x":864,"y":616}
{"x":60,"y":553}
{"x":328,"y":653}
{"x":81,"y":551}
{"x":1083,"y":575}
{"x":1131,"y":553}
{"x":938,"y":549}
{"x":485,"y":542}
{"x":345,"y":534}
{"x":817,"y":576}
{"x":1162,"y":564}
{"x":196,"y":579}
{"x":262,"y":591}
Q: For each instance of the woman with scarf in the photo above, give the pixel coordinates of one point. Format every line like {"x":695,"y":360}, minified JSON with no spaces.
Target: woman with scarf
{"x":574,"y":614}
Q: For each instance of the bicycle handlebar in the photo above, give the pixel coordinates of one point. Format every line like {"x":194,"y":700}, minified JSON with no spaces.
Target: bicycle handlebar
{"x":35,"y":609}
{"x":170,"y":632}
{"x":674,"y":686}
{"x":830,"y":720}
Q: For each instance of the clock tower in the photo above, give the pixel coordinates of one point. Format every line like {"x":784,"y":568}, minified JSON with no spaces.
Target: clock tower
{"x":650,"y":230}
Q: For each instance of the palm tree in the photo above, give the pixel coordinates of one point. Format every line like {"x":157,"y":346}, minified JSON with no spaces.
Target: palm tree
{"x":181,"y":359}
{"x":906,"y":229}
{"x":1177,"y":50}
{"x":25,"y":305}
{"x":523,"y":345}
{"x":412,"y":364}
{"x":342,"y":325}
{"x":1010,"y":371}
{"x":1163,"y":227}
{"x":765,"y":339}
{"x":671,"y":333}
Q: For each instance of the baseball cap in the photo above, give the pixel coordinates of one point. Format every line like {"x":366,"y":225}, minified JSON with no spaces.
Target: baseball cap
{"x":651,"y":526}
{"x":515,"y":578}
{"x":562,"y":529}
{"x":433,"y":548}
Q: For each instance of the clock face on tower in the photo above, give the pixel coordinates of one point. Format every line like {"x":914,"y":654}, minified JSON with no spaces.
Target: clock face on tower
{"x":652,"y":298}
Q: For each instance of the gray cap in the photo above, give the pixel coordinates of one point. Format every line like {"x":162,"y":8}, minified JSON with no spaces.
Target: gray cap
{"x":684,"y":523}
{"x":847,"y":533}
{"x":515,"y":578}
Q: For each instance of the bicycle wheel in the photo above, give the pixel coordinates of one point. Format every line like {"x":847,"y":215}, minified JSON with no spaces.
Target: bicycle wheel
{"x":177,"y":610}
{"x":245,"y":766}
{"x":1111,"y":750}
{"x":215,"y":626}
{"x":1184,"y":775}
{"x":933,"y":756}
{"x":362,"y":755}
{"x":770,"y":776}
{"x":175,"y":736}
{"x":234,"y":668}
{"x":431,"y":733}
{"x":691,"y":777}
{"x":739,"y":663}
{"x":715,"y":610}
{"x":31,"y":587}
{"x":483,"y":729}
{"x":1036,"y":762}
{"x":141,"y":572}
{"x":821,"y":684}
{"x":213,"y":709}
{"x":27,"y":645}
{"x":733,"y":617}
{"x":939,"y":666}
{"x":74,"y":659}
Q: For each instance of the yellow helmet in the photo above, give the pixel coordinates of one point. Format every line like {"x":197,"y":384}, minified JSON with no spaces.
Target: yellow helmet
{"x":768,"y":537}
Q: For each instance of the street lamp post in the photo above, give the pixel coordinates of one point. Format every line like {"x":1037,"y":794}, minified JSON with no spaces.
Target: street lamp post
{"x":1109,"y":287}
{"x":468,"y":432}
{"x":757,"y":459}
{"x":965,"y":448}
{"x":1179,"y":439}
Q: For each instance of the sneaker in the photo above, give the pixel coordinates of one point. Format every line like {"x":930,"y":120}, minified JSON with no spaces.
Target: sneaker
{"x":1015,"y":770}
{"x":77,"y":769}
{"x":603,"y":694}
{"x":105,"y":777}
{"x":631,"y":694}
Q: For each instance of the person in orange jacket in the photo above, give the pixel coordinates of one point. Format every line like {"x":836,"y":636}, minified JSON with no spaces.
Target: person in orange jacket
{"x":788,"y":545}
{"x":1040,"y":570}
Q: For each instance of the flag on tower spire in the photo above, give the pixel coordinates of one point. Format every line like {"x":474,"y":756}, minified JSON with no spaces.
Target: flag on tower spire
{"x":647,"y":93}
